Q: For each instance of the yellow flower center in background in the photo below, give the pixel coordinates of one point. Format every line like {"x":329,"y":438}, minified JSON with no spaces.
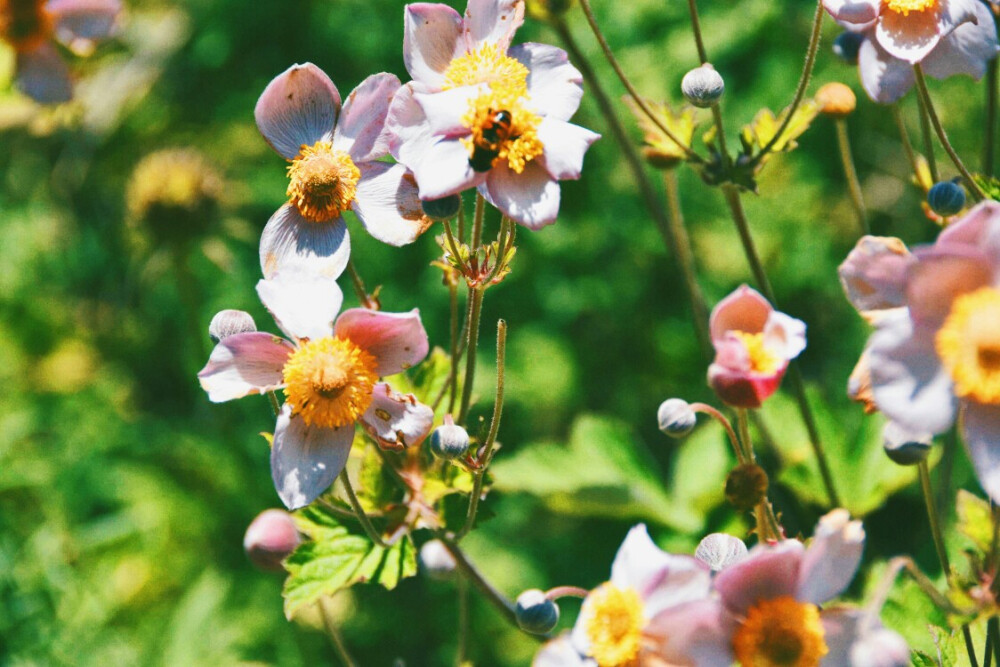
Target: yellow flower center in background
{"x":24,"y":24}
{"x":329,"y":381}
{"x":904,"y":7}
{"x":780,"y":633}
{"x":322,"y":182}
{"x":762,"y":360}
{"x":614,"y":625}
{"x":969,"y":345}
{"x":487,"y":65}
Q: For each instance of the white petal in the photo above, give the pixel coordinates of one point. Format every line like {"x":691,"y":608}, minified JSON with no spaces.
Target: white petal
{"x":430,"y":41}
{"x":967,"y":49}
{"x":555,"y":87}
{"x":981,"y":425}
{"x":299,"y":107}
{"x":559,"y":652}
{"x":397,"y":420}
{"x":784,"y":336}
{"x":530,"y":198}
{"x":565,"y":145}
{"x":361,"y":128}
{"x":832,"y":558}
{"x":444,"y":170}
{"x":244,"y":364}
{"x":388,"y":203}
{"x":492,"y":22}
{"x":305,"y":460}
{"x":444,"y":110}
{"x":852,"y":11}
{"x":303,"y":305}
{"x":292,"y":244}
{"x":884,"y":78}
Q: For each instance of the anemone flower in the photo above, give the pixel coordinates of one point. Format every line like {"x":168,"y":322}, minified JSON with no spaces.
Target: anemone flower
{"x":480,"y":113}
{"x":335,"y":166}
{"x":31,"y":27}
{"x":753,"y":345}
{"x":330,"y":374}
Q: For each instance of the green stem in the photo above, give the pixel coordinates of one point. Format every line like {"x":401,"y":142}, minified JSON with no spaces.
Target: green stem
{"x":696,"y":28}
{"x":989,"y":140}
{"x":720,"y":132}
{"x":904,"y":138}
{"x":453,"y":374}
{"x":851,"y":173}
{"x":721,"y":418}
{"x":928,"y":139}
{"x":366,"y":523}
{"x":475,"y":313}
{"x":335,"y":638}
{"x":275,"y":405}
{"x":463,"y":621}
{"x":993,"y":632}
{"x":477,"y":224}
{"x":767,"y":524}
{"x":359,"y":287}
{"x":732,"y":195}
{"x":495,"y":597}
{"x":685,"y":259}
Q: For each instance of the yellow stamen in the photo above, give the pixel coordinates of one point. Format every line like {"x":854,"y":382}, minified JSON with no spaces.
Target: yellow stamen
{"x":329,"y":381}
{"x":762,"y":360}
{"x":322,"y":182}
{"x":24,"y":24}
{"x":904,"y":7}
{"x":487,"y":64}
{"x":969,"y":345}
{"x":514,"y":141}
{"x":781,"y":632}
{"x":614,"y":625}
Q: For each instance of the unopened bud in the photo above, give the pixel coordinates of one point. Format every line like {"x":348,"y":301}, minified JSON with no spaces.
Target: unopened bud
{"x":271,"y":538}
{"x":437,"y":561}
{"x":676,"y":417}
{"x":536,"y":613}
{"x":449,"y":441}
{"x":946,"y":198}
{"x":904,"y":447}
{"x":746,"y":486}
{"x":719,"y":551}
{"x":228,"y":323}
{"x":445,"y":208}
{"x":835,"y":99}
{"x":703,"y":86}
{"x":847,"y":45}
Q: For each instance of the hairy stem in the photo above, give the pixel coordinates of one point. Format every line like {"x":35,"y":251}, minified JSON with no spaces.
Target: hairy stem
{"x":495,"y":597}
{"x":475,"y":313}
{"x":335,"y":637}
{"x":904,"y":138}
{"x":359,"y":286}
{"x":851,"y":173}
{"x":366,"y":523}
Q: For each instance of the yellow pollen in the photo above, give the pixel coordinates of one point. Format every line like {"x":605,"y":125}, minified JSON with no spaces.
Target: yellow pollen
{"x":969,"y":345}
{"x":904,"y":7}
{"x":487,"y":64}
{"x":322,"y":182}
{"x":762,"y":360}
{"x":514,"y":139}
{"x":24,"y":24}
{"x":781,"y":632}
{"x":329,"y":382}
{"x":614,"y":625}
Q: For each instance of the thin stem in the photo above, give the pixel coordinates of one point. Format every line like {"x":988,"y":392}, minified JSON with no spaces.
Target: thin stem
{"x":720,"y":132}
{"x":732,"y":196}
{"x":463,"y":621}
{"x":685,"y":259}
{"x":993,"y":633}
{"x":477,"y":223}
{"x":942,"y":136}
{"x":475,"y":313}
{"x":989,"y":140}
{"x":335,"y":637}
{"x":275,"y":405}
{"x":904,"y":137}
{"x":851,"y":173}
{"x":461,"y":221}
{"x":495,"y":597}
{"x":696,"y":28}
{"x":359,"y":286}
{"x":768,"y":528}
{"x":988,"y":651}
{"x":721,"y":418}
{"x":925,"y":133}
{"x":566,"y":591}
{"x":453,"y":247}
{"x":453,"y":375}
{"x":366,"y":523}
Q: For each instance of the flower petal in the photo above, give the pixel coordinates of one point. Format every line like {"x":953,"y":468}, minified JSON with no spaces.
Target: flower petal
{"x":967,"y":49}
{"x":909,"y":38}
{"x":444,"y":110}
{"x":396,"y":340}
{"x":87,"y":20}
{"x":852,"y":11}
{"x":492,"y":22}
{"x":940,"y":274}
{"x":303,"y":305}
{"x":244,"y":364}
{"x":43,"y":76}
{"x":430,"y":41}
{"x":769,"y":571}
{"x":406,"y":125}
{"x":555,"y":87}
{"x":444,"y":169}
{"x":745,"y":309}
{"x":719,"y":551}
{"x":696,"y":633}
{"x":299,"y":107}
{"x":388,"y":204}
{"x":530,"y":198}
{"x":397,"y":420}
{"x":559,"y":652}
{"x":784,"y":336}
{"x":981,"y":424}
{"x":874,"y":274}
{"x":975,"y":228}
{"x":855,"y":639}
{"x":361,"y":128}
{"x":565,"y":145}
{"x":885,"y":78}
{"x":305,"y":460}
{"x":832,"y":558}
{"x":292,"y":244}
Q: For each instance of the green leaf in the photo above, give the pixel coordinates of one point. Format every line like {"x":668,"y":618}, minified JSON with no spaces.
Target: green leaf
{"x":375,"y":489}
{"x":425,"y":380}
{"x":989,"y":185}
{"x":975,"y":520}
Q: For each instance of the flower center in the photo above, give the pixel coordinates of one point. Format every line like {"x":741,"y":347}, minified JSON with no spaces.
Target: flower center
{"x":502,"y":130}
{"x":762,"y":360}
{"x":329,"y":381}
{"x":322,"y":182}
{"x":969,"y":345}
{"x":904,"y":7}
{"x":24,"y":24}
{"x":781,"y":632}
{"x":614,"y":625}
{"x":487,"y":65}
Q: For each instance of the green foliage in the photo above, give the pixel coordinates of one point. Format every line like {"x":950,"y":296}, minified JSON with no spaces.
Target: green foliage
{"x":975,"y":520}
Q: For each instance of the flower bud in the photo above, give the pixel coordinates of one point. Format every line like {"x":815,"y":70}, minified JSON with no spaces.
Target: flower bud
{"x":703,"y":86}
{"x":946,"y":198}
{"x":676,"y":417}
{"x":536,"y":613}
{"x":746,"y":486}
{"x":847,"y":45}
{"x":445,"y":208}
{"x":437,"y":561}
{"x":270,"y":538}
{"x":719,"y":551}
{"x":229,"y":323}
{"x":835,"y":99}
{"x":904,"y":447}
{"x":449,"y":441}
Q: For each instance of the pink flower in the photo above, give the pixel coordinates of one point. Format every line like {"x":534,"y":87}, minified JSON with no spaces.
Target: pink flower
{"x":480,"y":113}
{"x":753,"y":345}
{"x":334,"y":167}
{"x":329,"y":372}
{"x":31,"y":27}
{"x":270,"y":538}
{"x":947,"y":37}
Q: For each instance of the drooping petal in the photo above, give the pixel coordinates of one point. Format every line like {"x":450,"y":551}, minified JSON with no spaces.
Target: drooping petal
{"x":982,"y":438}
{"x":492,"y":22}
{"x":856,"y":640}
{"x":555,"y":87}
{"x":886,"y":79}
{"x":767,"y":572}
{"x":397,"y":420}
{"x":396,"y":340}
{"x":388,"y":203}
{"x":431,"y":34}
{"x":784,"y":336}
{"x":745,"y":309}
{"x":87,"y":20}
{"x":299,"y":107}
{"x":719,"y":551}
{"x":43,"y":76}
{"x":305,"y":460}
{"x":940,"y":274}
{"x":361,"y":128}
{"x":444,"y":169}
{"x":303,"y":305}
{"x":967,"y":49}
{"x":874,"y":274}
{"x":832,"y":558}
{"x":852,"y":11}
{"x":244,"y":364}
{"x":695,"y":633}
{"x":565,"y":145}
{"x":530,"y":198}
{"x":292,"y":244}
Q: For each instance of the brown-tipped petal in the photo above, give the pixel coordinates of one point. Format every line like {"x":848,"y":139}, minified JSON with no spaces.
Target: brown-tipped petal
{"x":305,"y":460}
{"x":244,"y":364}
{"x":397,"y":420}
{"x":299,"y":107}
{"x":396,"y":340}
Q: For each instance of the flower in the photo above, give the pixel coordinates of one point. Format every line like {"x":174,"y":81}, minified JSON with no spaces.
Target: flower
{"x":655,"y":604}
{"x":329,"y":373}
{"x":31,"y":28}
{"x":935,"y":350}
{"x":946,"y":37}
{"x":753,"y":345}
{"x":334,"y":166}
{"x":480,"y":113}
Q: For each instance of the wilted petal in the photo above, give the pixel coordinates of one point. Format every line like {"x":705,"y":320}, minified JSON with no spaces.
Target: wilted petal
{"x":874,"y":274}
{"x":886,"y":79}
{"x":88,"y":20}
{"x":299,"y":107}
{"x":565,"y":145}
{"x":444,"y":169}
{"x":784,"y":336}
{"x":388,"y":204}
{"x":832,"y":558}
{"x":530,"y":198}
{"x":396,"y":340}
{"x":305,"y":460}
{"x":942,"y":273}
{"x":719,"y":551}
{"x":430,"y":40}
{"x":852,"y":11}
{"x":303,"y":305}
{"x":982,"y":438}
{"x":43,"y":76}
{"x":767,"y":572}
{"x":696,"y":633}
{"x":244,"y":364}
{"x":745,"y":309}
{"x":397,"y":420}
{"x":492,"y":22}
{"x":967,"y":49}
{"x":856,"y":640}
{"x":555,"y":87}
{"x":292,"y":244}
{"x":361,"y":128}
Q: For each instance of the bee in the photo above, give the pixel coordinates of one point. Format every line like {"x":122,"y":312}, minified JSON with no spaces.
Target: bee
{"x":496,"y":131}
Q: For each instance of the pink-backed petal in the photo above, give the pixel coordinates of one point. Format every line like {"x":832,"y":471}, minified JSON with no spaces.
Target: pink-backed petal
{"x":492,"y":22}
{"x":406,"y":127}
{"x":43,"y":76}
{"x":886,"y":79}
{"x":719,"y":551}
{"x":660,"y":579}
{"x":305,"y":460}
{"x":981,"y":424}
{"x":555,"y":87}
{"x":975,"y":227}
{"x":292,"y":244}
{"x":361,"y":128}
{"x":303,"y":305}
{"x":559,"y":652}
{"x":444,"y":169}
{"x":431,"y":34}
{"x":832,"y":558}
{"x":388,"y":203}
{"x":909,"y":38}
{"x":86,"y":20}
{"x":941,"y":274}
{"x":852,"y":11}
{"x":909,"y":383}
{"x":245,"y":364}
{"x":784,"y":336}
{"x":397,"y":420}
{"x":855,"y":639}
{"x":767,"y":572}
{"x":696,"y":633}
{"x":530,"y":198}
{"x":742,"y":389}
{"x":270,"y":538}
{"x":745,"y":309}
{"x":967,"y":49}
{"x":732,"y":353}
{"x":565,"y":145}
{"x":444,"y":110}
{"x":396,"y":340}
{"x":299,"y":107}
{"x":874,"y":274}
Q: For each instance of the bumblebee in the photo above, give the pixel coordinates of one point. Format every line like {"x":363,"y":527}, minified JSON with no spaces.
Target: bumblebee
{"x":495,"y":132}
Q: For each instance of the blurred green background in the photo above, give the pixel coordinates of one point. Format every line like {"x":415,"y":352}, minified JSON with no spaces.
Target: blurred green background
{"x":124,"y":493}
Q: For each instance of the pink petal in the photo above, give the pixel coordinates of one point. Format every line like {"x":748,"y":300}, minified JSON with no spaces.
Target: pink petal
{"x":388,"y":203}
{"x":975,"y":227}
{"x":767,"y":572}
{"x":530,"y":198}
{"x":244,"y":364}
{"x":444,"y":169}
{"x":299,"y":107}
{"x":555,"y":87}
{"x":492,"y":22}
{"x":303,"y":305}
{"x":396,"y":340}
{"x":967,"y":49}
{"x":941,"y":274}
{"x":86,"y":20}
{"x":361,"y":128}
{"x":430,"y":41}
{"x":885,"y":78}
{"x":855,"y":639}
{"x":305,"y":460}
{"x":565,"y":145}
{"x":397,"y":420}
{"x":832,"y":558}
{"x":745,"y":309}
{"x":874,"y":274}
{"x":852,"y":11}
{"x":43,"y":76}
{"x":982,"y":439}
{"x":292,"y":244}
{"x":696,"y":633}
{"x":743,"y":389}
{"x":407,"y":128}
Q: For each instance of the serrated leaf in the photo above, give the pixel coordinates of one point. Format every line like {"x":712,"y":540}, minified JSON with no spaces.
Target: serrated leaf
{"x":660,"y":149}
{"x":975,"y":520}
{"x":445,"y":479}
{"x":765,"y":125}
{"x":375,"y":488}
